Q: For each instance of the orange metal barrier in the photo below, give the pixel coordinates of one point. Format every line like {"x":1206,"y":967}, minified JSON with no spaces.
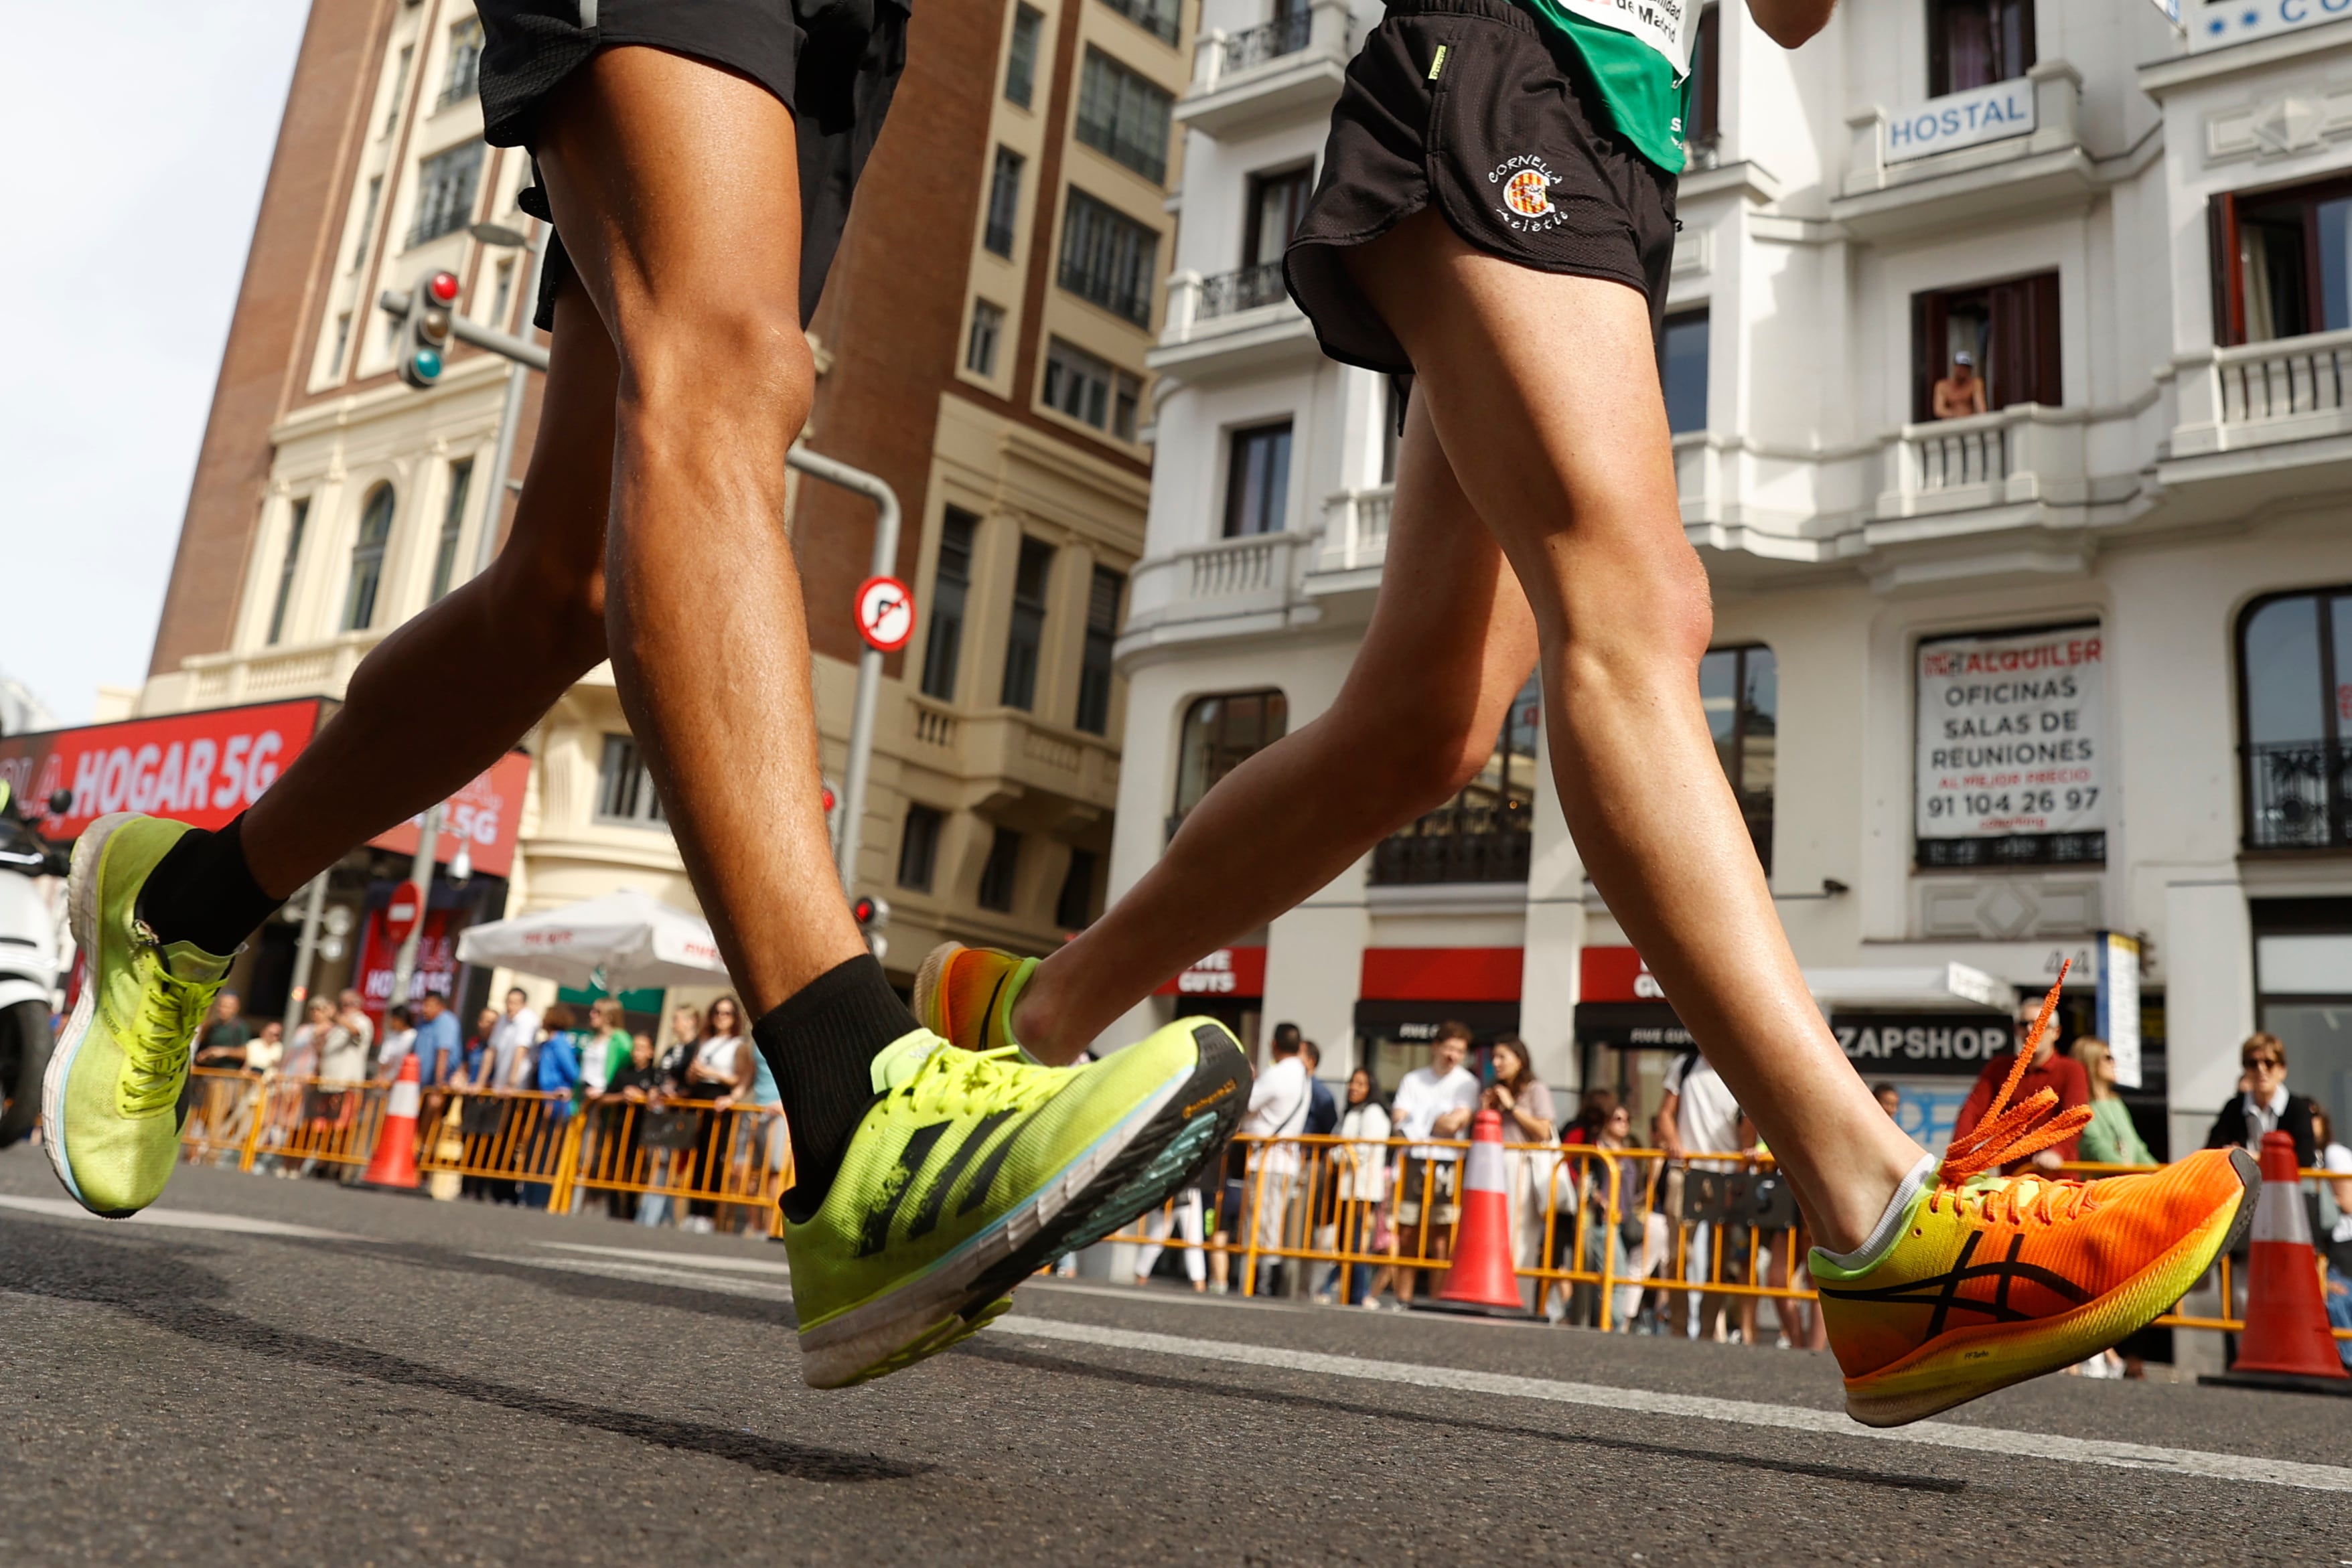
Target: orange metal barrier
{"x":275,"y":1122}
{"x":690,"y":1150}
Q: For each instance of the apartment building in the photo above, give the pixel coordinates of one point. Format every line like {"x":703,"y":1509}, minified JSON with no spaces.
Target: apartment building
{"x":982,"y":346}
{"x":1998,"y":692}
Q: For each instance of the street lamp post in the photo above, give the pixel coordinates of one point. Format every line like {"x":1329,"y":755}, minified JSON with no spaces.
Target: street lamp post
{"x":420,"y":877}
{"x":517,"y":376}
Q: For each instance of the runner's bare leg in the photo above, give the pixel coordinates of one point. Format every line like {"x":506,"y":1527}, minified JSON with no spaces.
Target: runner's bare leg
{"x":1559,"y":437}
{"x":675,"y":187}
{"x":1450,"y":644}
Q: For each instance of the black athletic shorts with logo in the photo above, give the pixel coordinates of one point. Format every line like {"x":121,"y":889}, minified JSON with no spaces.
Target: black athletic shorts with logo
{"x":834,"y":63}
{"x":1468,"y":105}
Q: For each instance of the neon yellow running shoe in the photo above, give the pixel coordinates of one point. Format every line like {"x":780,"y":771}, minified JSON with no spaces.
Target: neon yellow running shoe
{"x":965,"y":996}
{"x":109,"y":1104}
{"x":974,"y":1170}
{"x":1990,"y":1280}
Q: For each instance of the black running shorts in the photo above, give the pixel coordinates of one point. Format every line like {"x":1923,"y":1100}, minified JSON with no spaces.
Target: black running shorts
{"x":1468,"y":104}
{"x":834,"y":63}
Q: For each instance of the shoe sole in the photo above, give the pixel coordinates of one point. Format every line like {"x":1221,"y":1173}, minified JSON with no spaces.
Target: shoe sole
{"x":927,"y":987}
{"x":81,"y":920}
{"x":1969,"y":1363}
{"x":1163,"y":1144}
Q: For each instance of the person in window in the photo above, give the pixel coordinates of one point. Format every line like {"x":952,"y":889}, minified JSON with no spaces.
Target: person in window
{"x":2263,"y":1104}
{"x":1961,"y":392}
{"x":2110,"y":1138}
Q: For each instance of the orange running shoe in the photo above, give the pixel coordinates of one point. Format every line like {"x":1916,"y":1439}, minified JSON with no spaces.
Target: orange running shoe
{"x":965,"y":996}
{"x":1991,"y":1280}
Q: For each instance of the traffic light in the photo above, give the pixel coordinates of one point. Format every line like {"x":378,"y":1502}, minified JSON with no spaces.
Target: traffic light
{"x":425,"y":333}
{"x":872,"y":913}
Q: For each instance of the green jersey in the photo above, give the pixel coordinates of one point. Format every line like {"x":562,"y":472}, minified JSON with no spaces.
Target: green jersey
{"x":1645,"y":95}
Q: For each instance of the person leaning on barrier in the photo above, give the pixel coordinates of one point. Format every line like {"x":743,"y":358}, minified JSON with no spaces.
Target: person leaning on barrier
{"x":1278,"y":1103}
{"x":222,"y":1044}
{"x":1361,"y":1169}
{"x":2111,"y":1139}
{"x":266,"y":1050}
{"x":1524,"y":1101}
{"x":1432,"y":1101}
{"x":2263,"y":1104}
{"x":627,"y":1094}
{"x":2061,"y":1075}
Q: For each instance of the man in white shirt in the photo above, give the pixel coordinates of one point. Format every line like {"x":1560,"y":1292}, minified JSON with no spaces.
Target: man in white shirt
{"x":1433,"y":1102}
{"x":1699,"y":1116}
{"x":511,"y":1038}
{"x":1277,"y":1110}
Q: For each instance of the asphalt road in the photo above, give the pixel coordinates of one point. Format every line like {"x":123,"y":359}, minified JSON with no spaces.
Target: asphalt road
{"x":266,"y":1371}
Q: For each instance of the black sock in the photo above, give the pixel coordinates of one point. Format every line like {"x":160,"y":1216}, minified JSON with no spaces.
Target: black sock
{"x":821,"y":1045}
{"x":202,"y":892}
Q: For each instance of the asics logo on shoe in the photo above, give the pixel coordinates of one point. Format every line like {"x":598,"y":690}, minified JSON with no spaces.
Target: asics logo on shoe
{"x":874,"y":1234}
{"x":1943,"y":1291}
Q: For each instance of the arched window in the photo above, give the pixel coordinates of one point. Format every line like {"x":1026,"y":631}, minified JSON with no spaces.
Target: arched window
{"x":2293,"y":700}
{"x":1221,"y":733}
{"x":367,"y":560}
{"x":1485,"y":833}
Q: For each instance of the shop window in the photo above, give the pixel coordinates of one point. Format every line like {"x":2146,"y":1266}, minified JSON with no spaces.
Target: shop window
{"x":950,"y":584}
{"x":1975,"y":43}
{"x":1740,"y":690}
{"x":2296,"y":699}
{"x":1001,"y":872}
{"x":367,"y":560}
{"x":918,"y":847}
{"x":2302,"y":994}
{"x":1257,"y":481}
{"x":2009,"y":333}
{"x":1074,"y":909}
{"x":2281,"y":262}
{"x":1682,"y":370}
{"x":624,"y":788}
{"x":1095,"y":667}
{"x":1485,"y":833}
{"x":1027,"y":636}
{"x":1220,"y":734}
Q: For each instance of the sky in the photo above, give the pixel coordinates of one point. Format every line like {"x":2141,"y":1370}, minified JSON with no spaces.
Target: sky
{"x":131,"y":196}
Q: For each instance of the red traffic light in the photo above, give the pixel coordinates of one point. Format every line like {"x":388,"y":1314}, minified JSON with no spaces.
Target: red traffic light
{"x":828,"y":799}
{"x":862,"y":908}
{"x":442,"y":287}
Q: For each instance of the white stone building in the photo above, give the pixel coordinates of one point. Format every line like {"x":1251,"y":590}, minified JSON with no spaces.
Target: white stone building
{"x":2145,"y":238}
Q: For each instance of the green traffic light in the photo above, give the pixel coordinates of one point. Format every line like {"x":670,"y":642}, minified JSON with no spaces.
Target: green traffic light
{"x":427,"y":363}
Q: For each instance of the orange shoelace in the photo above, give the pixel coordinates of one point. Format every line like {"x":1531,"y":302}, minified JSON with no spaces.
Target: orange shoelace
{"x":2006,"y":1133}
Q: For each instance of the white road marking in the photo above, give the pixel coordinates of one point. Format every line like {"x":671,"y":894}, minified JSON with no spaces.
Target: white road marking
{"x":738,"y":1265}
{"x":1739,"y":1412}
{"x":182,"y":1218}
{"x":641,"y":1274}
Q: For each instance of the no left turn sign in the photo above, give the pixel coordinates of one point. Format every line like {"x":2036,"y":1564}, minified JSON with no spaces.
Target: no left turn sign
{"x":886,"y":612}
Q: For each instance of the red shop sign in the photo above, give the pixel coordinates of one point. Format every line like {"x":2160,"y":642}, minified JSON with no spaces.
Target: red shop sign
{"x":486,"y":815}
{"x":196,"y":768}
{"x":436,"y":961}
{"x":1227,"y":972}
{"x":1617,"y":974}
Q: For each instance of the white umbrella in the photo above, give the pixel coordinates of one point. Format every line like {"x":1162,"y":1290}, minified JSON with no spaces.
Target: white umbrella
{"x":624,"y":941}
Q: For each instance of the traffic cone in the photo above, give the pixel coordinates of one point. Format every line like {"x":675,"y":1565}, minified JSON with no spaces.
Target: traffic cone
{"x":395,"y":1164}
{"x":2287,"y":1344}
{"x":1481,"y":1279}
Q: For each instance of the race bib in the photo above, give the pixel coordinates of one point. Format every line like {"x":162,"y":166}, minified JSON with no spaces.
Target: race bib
{"x":1665,"y":26}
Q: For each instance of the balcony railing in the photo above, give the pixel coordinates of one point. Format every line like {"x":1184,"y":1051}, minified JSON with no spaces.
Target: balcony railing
{"x":1255,"y":46}
{"x":1229,"y":293}
{"x":2296,"y":796}
{"x":1948,"y":459}
{"x":1250,"y":565}
{"x":1449,"y":846}
{"x":2027,"y":452}
{"x":2279,"y":380}
{"x":1356,"y":530}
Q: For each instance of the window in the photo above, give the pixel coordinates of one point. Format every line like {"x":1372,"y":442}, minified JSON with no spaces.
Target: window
{"x":1109,"y":258}
{"x":1258,"y":482}
{"x":1975,"y":43}
{"x":503,"y":294}
{"x":444,"y":191}
{"x":343,"y":342}
{"x":1681,"y":367}
{"x":949,"y":583}
{"x":399,"y":88}
{"x":1073,"y":910}
{"x":987,"y":328}
{"x":1485,"y":833}
{"x":1277,"y":203}
{"x":1089,"y":391}
{"x":625,"y":790}
{"x":1003,"y":202}
{"x":298,"y":517}
{"x":2294,"y":673}
{"x":1156,"y":17}
{"x":464,"y":61}
{"x":1704,"y":132}
{"x":998,"y":875}
{"x":367,"y":223}
{"x":1123,"y":116}
{"x":1028,"y":633}
{"x":918,"y":847}
{"x":2011,"y":330}
{"x":367,"y":560}
{"x":1741,"y":689}
{"x":1392,"y":408}
{"x":1094,"y":665}
{"x":1021,"y":65}
{"x":1220,"y":734}
{"x":2282,"y":262}
{"x":453,"y":523}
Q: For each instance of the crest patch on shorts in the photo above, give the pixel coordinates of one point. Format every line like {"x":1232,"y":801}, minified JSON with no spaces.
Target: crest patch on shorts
{"x":1522,"y":189}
